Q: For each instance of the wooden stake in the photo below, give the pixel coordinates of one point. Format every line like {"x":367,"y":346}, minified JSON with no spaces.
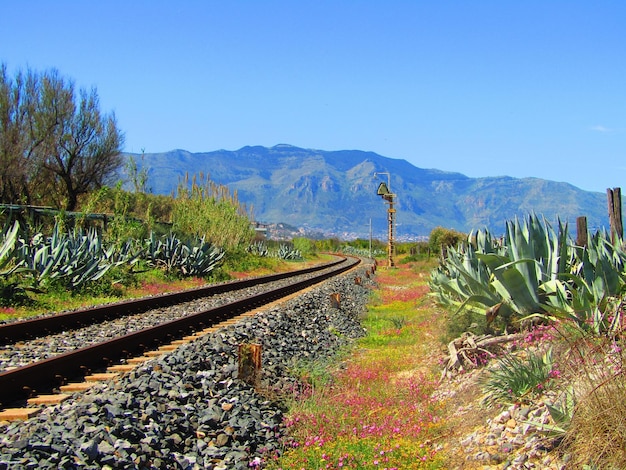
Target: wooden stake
{"x":335,"y":300}
{"x":581,"y":231}
{"x":250,"y":363}
{"x":614,"y":199}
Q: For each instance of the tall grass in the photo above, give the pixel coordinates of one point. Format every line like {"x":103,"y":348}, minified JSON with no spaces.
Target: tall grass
{"x":206,"y":209}
{"x":594,"y":372}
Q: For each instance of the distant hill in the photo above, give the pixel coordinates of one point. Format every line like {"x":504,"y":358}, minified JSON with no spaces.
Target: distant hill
{"x":334,"y":192}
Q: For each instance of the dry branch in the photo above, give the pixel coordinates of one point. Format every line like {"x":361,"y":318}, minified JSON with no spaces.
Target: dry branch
{"x":463,"y":351}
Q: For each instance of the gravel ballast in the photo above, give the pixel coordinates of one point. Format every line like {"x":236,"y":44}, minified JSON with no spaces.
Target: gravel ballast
{"x":188,"y":409}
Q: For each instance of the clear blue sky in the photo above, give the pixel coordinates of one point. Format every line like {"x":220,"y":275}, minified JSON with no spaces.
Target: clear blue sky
{"x":485,"y":88}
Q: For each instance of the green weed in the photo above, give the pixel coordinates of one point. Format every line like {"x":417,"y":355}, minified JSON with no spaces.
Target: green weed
{"x":516,"y":379}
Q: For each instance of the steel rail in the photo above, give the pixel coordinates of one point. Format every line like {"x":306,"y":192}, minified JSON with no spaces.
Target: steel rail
{"x":28,"y":329}
{"x":42,"y":377}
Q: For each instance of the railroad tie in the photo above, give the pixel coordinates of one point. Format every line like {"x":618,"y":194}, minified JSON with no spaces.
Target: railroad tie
{"x":18,"y":414}
{"x":102,"y":377}
{"x":53,"y":399}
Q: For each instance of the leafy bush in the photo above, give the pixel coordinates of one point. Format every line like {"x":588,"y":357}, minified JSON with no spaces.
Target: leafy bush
{"x":239,"y":261}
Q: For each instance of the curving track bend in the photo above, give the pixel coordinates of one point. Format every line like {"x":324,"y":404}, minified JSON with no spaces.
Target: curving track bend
{"x":115,"y":333}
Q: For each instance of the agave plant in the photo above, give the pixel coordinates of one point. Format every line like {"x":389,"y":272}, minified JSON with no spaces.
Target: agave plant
{"x":9,"y":262}
{"x":506,"y":279}
{"x":73,"y":259}
{"x":463,"y":281}
{"x":259,"y":248}
{"x":129,"y":253}
{"x":590,"y":295}
{"x":177,"y":257}
{"x":166,"y":253}
{"x":201,"y":259}
{"x":12,"y":285}
{"x":287,"y":252}
{"x":362,"y":252}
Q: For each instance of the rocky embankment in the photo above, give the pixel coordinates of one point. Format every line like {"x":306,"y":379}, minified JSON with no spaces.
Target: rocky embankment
{"x":188,"y":409}
{"x":489,"y":437}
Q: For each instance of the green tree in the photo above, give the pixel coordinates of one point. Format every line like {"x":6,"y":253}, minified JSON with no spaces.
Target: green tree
{"x":54,"y":145}
{"x":17,"y":102}
{"x":84,"y":150}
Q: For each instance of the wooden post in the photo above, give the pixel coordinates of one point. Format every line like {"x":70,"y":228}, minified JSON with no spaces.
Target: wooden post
{"x":335,"y":300}
{"x":250,"y":363}
{"x":581,"y":231}
{"x":357,"y":280}
{"x":614,"y":199}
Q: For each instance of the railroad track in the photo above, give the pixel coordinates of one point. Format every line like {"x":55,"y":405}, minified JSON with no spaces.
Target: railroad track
{"x":43,"y":377}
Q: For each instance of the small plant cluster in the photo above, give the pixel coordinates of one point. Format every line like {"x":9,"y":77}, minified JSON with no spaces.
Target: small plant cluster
{"x":284,"y":251}
{"x":518,"y":379}
{"x":362,"y":252}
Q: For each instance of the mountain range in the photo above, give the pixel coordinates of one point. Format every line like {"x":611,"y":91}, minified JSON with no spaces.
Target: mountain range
{"x":334,"y":193}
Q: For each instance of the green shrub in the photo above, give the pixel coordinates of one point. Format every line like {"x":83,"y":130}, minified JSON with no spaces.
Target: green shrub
{"x":305,"y":246}
{"x":441,"y":238}
{"x":515,"y":379}
{"x":241,"y":261}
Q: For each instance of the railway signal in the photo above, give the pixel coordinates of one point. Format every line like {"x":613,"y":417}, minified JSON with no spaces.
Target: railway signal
{"x":388,"y":196}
